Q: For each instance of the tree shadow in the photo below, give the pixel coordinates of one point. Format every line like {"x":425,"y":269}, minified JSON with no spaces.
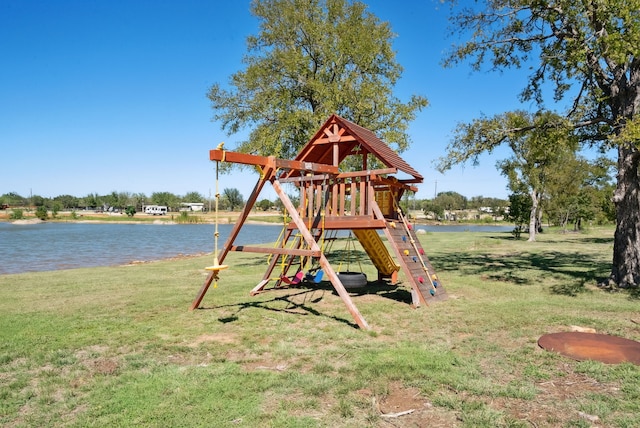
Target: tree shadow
{"x":527,"y":269}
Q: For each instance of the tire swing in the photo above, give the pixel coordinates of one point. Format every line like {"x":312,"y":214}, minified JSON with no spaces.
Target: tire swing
{"x":351,"y":280}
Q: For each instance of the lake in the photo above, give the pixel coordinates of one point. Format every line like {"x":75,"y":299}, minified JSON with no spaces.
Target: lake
{"x":53,"y":246}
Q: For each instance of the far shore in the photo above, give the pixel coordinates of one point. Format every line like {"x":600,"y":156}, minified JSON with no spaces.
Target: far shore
{"x":225,"y":217}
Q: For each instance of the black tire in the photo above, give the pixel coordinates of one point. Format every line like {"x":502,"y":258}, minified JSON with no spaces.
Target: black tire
{"x":351,"y":280}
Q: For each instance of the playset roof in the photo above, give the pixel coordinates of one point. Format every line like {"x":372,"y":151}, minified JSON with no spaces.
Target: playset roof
{"x":353,"y":139}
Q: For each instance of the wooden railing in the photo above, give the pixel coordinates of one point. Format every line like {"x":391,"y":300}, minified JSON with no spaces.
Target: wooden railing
{"x":342,"y":201}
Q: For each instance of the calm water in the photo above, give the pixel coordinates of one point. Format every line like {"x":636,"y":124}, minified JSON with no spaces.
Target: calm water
{"x":53,"y":246}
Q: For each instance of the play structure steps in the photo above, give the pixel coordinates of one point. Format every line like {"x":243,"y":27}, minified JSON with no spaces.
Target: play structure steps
{"x":415,"y":263}
{"x":377,"y":252}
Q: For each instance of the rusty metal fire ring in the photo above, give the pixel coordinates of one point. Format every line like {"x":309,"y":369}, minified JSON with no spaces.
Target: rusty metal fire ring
{"x":592,"y":346}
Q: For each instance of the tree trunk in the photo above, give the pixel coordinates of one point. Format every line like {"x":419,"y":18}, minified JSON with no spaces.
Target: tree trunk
{"x":533,"y":216}
{"x":625,"y":271}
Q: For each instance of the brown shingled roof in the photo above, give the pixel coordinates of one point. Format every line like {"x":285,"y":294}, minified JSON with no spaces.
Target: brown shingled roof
{"x":351,"y":136}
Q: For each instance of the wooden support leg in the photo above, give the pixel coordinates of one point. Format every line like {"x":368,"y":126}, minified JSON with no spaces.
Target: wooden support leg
{"x":342,"y":292}
{"x":232,"y":236}
{"x":203,"y":290}
{"x":328,"y":270}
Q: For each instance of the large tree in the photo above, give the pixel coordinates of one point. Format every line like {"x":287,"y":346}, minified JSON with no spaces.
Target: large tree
{"x":537,"y":142}
{"x":588,"y":53}
{"x":310,"y":59}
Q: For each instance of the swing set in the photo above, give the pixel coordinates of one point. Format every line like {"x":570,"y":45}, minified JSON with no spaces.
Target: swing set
{"x":363,"y":202}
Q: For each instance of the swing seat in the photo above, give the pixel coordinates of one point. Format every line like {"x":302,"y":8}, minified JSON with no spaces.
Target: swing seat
{"x":216,"y":267}
{"x":293,"y":281}
{"x":352,"y":280}
{"x":316,"y":277}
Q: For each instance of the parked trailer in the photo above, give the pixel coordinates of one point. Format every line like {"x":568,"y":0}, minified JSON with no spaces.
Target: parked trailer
{"x":155,"y":209}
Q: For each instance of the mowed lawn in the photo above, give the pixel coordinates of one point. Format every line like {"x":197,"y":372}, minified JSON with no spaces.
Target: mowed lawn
{"x":117,"y":346}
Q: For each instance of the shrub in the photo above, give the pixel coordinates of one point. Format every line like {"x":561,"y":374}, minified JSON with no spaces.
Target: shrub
{"x":41,"y":212}
{"x":184,"y":217}
{"x":16,"y":214}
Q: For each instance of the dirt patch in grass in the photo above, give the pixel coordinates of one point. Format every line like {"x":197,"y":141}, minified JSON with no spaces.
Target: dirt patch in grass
{"x":104,"y":366}
{"x":227,"y":338}
{"x":408,"y":407}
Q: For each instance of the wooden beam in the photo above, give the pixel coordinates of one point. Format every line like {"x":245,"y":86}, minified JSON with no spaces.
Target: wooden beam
{"x":269,"y":250}
{"x":326,"y":140}
{"x":247,"y":159}
{"x":416,"y":294}
{"x":398,"y":184}
{"x":367,"y":173}
{"x":373,"y":173}
{"x":346,"y":222}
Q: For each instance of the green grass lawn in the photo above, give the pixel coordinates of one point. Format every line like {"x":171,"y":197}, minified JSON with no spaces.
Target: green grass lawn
{"x":117,"y":346}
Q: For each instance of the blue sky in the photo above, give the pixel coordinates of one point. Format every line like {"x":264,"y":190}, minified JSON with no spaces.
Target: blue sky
{"x":102,"y":96}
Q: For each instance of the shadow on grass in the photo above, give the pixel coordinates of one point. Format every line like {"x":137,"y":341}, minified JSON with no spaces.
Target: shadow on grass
{"x":567,"y":273}
{"x":310,"y":292}
{"x":292,"y":307}
{"x":634,"y":293}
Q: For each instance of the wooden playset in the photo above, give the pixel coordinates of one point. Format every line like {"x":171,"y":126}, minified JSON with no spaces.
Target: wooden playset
{"x":364,"y":202}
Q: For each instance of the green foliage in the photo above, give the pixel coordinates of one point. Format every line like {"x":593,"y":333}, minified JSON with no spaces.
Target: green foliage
{"x":587,"y":51}
{"x":165,"y":198}
{"x":55,"y":209}
{"x":264,"y":204}
{"x":445,"y":201}
{"x":232,"y":199}
{"x":519,"y":212}
{"x":578,"y":191}
{"x":186,"y":218}
{"x":193,"y":197}
{"x":41,"y":212}
{"x":67,"y":201}
{"x":16,"y":214}
{"x":312,"y":58}
{"x":13,"y":199}
{"x":539,"y":145}
{"x":38,"y":200}
{"x":130,"y":211}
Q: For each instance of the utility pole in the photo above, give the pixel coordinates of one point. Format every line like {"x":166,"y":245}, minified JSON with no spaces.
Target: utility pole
{"x":435,"y":191}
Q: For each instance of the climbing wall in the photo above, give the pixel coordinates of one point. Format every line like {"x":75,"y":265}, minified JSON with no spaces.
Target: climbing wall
{"x":414,"y":261}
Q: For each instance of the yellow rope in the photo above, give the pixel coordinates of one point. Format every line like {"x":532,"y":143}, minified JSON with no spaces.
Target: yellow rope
{"x":216,"y":267}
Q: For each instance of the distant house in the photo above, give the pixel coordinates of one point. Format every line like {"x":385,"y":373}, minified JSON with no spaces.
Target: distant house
{"x":192,"y":206}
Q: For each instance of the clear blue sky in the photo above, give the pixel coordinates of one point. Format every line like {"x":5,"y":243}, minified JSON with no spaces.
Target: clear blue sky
{"x":102,"y":96}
